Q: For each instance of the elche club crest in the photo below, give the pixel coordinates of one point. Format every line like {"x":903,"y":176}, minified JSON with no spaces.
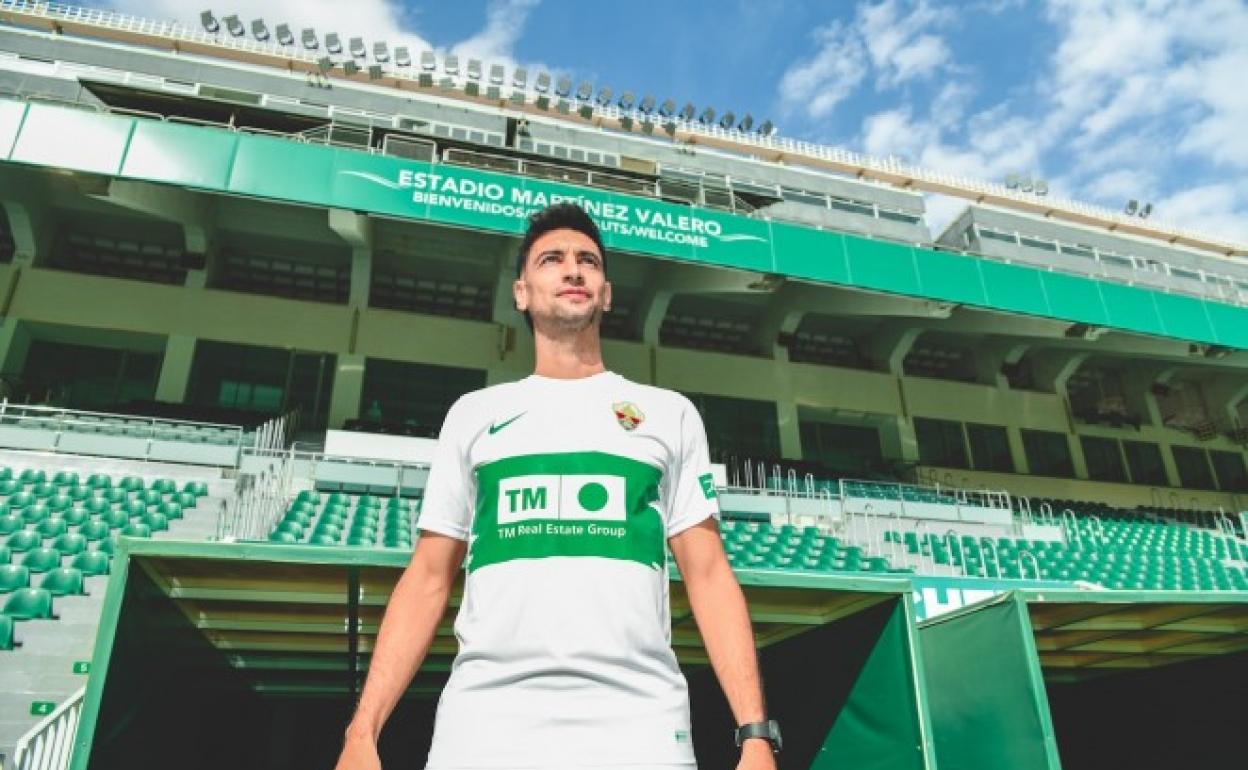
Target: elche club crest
{"x":627,"y":414}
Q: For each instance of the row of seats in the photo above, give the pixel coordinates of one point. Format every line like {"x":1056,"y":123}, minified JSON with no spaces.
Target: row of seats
{"x":340,"y":519}
{"x":756,"y":544}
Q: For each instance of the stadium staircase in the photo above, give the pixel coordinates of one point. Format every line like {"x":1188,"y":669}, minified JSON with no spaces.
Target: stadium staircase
{"x":60,"y":520}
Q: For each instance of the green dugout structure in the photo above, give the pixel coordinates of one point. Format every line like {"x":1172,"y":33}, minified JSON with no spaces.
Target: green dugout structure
{"x":1042,"y":679}
{"x":244,"y":655}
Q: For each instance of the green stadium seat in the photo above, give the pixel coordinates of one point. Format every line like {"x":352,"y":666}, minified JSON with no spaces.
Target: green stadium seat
{"x":155,"y":521}
{"x":36,"y":513}
{"x":116,"y":495}
{"x":29,"y":604}
{"x":13,"y":577}
{"x":70,"y":543}
{"x":131,"y":483}
{"x":43,"y":490}
{"x":63,"y":581}
{"x":170,"y":510}
{"x":23,"y":541}
{"x":59,"y":502}
{"x":52,"y":527}
{"x":9,"y":487}
{"x":150,"y":497}
{"x":196,"y":488}
{"x":10,"y":523}
{"x":282,"y":537}
{"x":136,"y":529}
{"x":5,"y":472}
{"x":32,"y":476}
{"x":164,"y":486}
{"x":106,"y":546}
{"x":185,"y":499}
{"x":6,"y":633}
{"x":80,"y":493}
{"x":91,"y":563}
{"x":97,"y":505}
{"x":99,"y":481}
{"x":65,"y":478}
{"x":134,"y":508}
{"x":41,"y":560}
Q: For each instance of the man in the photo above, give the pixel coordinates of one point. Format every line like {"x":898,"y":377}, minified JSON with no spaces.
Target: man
{"x":562,"y":489}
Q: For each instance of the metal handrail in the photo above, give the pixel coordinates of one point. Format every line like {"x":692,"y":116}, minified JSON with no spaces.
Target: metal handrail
{"x":1034,"y":562}
{"x":49,"y":744}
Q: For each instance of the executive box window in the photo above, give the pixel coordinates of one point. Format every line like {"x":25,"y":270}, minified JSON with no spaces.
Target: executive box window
{"x":940,"y":443}
{"x":267,"y":381}
{"x":848,"y":449}
{"x":1193,"y":467}
{"x":410,"y":398}
{"x":990,"y":447}
{"x":87,"y":377}
{"x":739,"y":427}
{"x":1229,"y":467}
{"x":1048,"y":453}
{"x":1144,"y":463}
{"x":1103,"y":458}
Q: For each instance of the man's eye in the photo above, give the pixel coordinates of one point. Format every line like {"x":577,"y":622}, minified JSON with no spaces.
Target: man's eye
{"x":548,"y":258}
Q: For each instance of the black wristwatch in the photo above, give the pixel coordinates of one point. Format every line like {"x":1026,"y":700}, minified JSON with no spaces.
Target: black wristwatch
{"x":769,"y":731}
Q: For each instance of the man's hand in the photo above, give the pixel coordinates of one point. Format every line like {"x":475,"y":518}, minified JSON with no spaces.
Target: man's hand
{"x":359,"y":752}
{"x":756,"y":754}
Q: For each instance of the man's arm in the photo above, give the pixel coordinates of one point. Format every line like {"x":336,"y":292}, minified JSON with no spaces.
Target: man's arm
{"x":407,"y":630}
{"x":724,"y":622}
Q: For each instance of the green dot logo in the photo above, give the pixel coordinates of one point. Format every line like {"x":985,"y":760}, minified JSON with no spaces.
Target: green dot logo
{"x":592,"y":497}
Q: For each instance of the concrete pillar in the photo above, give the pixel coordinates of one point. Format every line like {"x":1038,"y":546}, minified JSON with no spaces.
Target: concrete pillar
{"x":175,"y":369}
{"x":1014,"y":435}
{"x":889,"y":346}
{"x":898,"y":440}
{"x":1077,"y":457}
{"x":33,"y":230}
{"x":991,"y":357}
{"x":1167,"y":461}
{"x":1053,"y":368}
{"x":14,"y":344}
{"x":348,"y":388}
{"x":789,"y":428}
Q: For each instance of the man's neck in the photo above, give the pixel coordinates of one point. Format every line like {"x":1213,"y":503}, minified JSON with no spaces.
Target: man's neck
{"x":568,"y":356}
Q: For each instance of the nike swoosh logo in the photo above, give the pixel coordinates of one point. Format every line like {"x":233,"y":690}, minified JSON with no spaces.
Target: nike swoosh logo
{"x":495,"y":428}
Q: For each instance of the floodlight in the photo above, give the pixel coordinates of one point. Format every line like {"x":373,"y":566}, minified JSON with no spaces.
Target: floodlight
{"x":324,"y":64}
{"x":210,"y":22}
{"x":474,"y":69}
{"x":497,"y":74}
{"x":647,"y":104}
{"x":667,"y":108}
{"x":543,"y":83}
{"x":284,"y":36}
{"x":401,"y":57}
{"x":519,"y":78}
{"x":428,"y":61}
{"x":626,"y":100}
{"x":686,"y":112}
{"x":564,"y":86}
{"x":1026,"y":185}
{"x":1011,"y":181}
{"x":357,"y":48}
{"x":707,"y":116}
{"x":604,"y":96}
{"x":381,"y":52}
{"x":309,"y":39}
{"x":350,"y":67}
{"x":1132,"y":206}
{"x":333,"y":43}
{"x":450,"y":65}
{"x":1040,"y":187}
{"x":746,"y":123}
{"x":1146,"y":211}
{"x":727,"y":120}
{"x":374,"y":72}
{"x":259,"y":29}
{"x":235,"y":25}
{"x":767,"y":129}
{"x":585,"y":91}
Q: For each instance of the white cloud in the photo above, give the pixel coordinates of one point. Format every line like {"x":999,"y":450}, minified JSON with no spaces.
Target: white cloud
{"x":496,"y":41}
{"x":899,"y":43}
{"x":816,"y":85}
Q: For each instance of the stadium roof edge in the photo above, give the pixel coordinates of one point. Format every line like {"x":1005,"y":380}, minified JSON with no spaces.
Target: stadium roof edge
{"x":60,"y":18}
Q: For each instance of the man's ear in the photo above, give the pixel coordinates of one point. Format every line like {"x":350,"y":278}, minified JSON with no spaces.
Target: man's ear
{"x":520,"y":292}
{"x":606,"y":295}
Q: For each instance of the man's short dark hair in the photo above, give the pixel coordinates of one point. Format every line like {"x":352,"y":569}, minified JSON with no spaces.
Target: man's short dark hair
{"x":559,"y":216}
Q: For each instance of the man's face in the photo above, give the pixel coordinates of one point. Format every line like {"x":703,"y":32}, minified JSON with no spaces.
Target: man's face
{"x":563,"y":284}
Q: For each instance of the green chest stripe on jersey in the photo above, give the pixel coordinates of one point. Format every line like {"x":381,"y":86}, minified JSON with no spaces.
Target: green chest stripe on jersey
{"x":567,"y":504}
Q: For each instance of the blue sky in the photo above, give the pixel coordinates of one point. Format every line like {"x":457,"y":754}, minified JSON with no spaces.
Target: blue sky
{"x":1106,"y":99}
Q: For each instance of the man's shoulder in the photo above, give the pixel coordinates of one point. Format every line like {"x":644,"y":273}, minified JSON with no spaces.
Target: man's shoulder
{"x":474,"y":401}
{"x":671,"y":399}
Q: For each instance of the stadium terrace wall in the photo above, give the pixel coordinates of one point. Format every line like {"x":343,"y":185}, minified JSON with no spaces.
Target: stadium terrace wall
{"x":218,"y":160}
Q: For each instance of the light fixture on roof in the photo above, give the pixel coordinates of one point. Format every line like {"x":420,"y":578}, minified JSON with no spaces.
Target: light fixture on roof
{"x":333,"y":43}
{"x":381,"y":52}
{"x":1026,"y":184}
{"x":519,"y":78}
{"x":626,"y":100}
{"x":235,"y":25}
{"x":686,"y":112}
{"x":1012,"y":180}
{"x":350,"y":67}
{"x":647,"y":104}
{"x":708,"y":116}
{"x":1040,"y":187}
{"x":324,"y":64}
{"x":727,"y":120}
{"x":497,"y":74}
{"x":542,"y":85}
{"x":474,"y":69}
{"x":767,"y":129}
{"x":604,"y":96}
{"x":284,"y":35}
{"x":211,"y":25}
{"x":564,"y":86}
{"x":357,"y":48}
{"x":428,"y":61}
{"x":667,"y":108}
{"x":1146,"y":211}
{"x":260,"y":30}
{"x":310,"y":41}
{"x":746,"y":123}
{"x":450,"y":65}
{"x":585,"y":91}
{"x":1132,"y":207}
{"x":401,"y":57}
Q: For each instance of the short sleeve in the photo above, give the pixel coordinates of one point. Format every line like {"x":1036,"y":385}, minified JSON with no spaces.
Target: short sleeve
{"x":451,"y":487}
{"x":692,"y":496}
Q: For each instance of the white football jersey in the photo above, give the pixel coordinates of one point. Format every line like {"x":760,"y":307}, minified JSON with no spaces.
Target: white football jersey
{"x":566,"y":491}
